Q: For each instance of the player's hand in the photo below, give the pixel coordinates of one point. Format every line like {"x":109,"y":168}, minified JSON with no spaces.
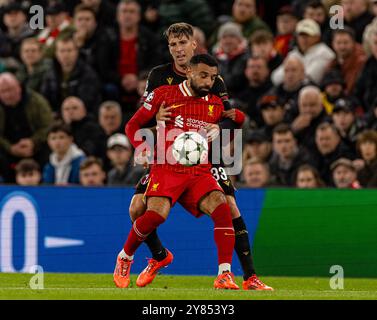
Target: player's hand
{"x":213,"y":131}
{"x":359,"y":164}
{"x":301,"y":122}
{"x":231,"y":114}
{"x":163,"y":113}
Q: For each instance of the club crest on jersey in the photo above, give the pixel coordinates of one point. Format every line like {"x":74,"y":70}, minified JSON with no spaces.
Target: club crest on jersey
{"x":210,"y":110}
{"x":155,"y":186}
{"x":169,"y":80}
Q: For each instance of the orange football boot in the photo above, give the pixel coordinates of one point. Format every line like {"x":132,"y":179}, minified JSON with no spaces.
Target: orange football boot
{"x":253,"y":283}
{"x":150,"y":272}
{"x":225,"y":281}
{"x":122,"y":273}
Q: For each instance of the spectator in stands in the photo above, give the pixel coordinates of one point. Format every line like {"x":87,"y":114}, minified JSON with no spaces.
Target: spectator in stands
{"x":367,"y":148}
{"x":346,"y":121}
{"x":308,"y":177}
{"x":365,"y":89}
{"x":34,"y":65}
{"x":28,"y":173}
{"x":110,"y":118}
{"x":71,"y":76}
{"x":273,"y":113}
{"x":231,"y":54}
{"x":66,"y":157}
{"x":24,"y":119}
{"x":98,"y":47}
{"x":87,"y":133}
{"x":17,"y":29}
{"x":194,"y":12}
{"x":344,"y":174}
{"x":123,"y":172}
{"x":244,"y":12}
{"x":256,"y":174}
{"x":357,"y":16}
{"x":137,"y":50}
{"x":315,"y":54}
{"x":57,"y":20}
{"x":259,"y":83}
{"x":286,"y":22}
{"x":262,"y":45}
{"x":257,"y":145}
{"x":333,"y":88}
{"x":3,"y":167}
{"x":287,"y":156}
{"x":329,"y":148}
{"x":371,"y":117}
{"x":294,"y":80}
{"x":374,"y":7}
{"x":350,"y":57}
{"x":201,"y":41}
{"x":105,"y":11}
{"x":316,"y":11}
{"x":311,"y":114}
{"x":92,"y":173}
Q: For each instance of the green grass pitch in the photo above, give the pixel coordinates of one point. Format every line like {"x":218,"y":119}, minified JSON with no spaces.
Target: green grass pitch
{"x":100,"y":286}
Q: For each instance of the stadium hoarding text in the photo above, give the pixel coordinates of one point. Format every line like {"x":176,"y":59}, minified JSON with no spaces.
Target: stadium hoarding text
{"x":295,"y":232}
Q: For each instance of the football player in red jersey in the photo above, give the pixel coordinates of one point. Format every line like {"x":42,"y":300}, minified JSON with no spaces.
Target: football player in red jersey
{"x":182,"y":46}
{"x":194,"y":186}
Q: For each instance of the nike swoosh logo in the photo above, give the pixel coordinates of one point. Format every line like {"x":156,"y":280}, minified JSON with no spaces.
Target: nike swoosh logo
{"x":176,"y":105}
{"x":229,"y":234}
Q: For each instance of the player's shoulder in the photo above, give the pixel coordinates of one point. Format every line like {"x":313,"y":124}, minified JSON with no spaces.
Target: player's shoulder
{"x":161,"y":69}
{"x":214,"y":99}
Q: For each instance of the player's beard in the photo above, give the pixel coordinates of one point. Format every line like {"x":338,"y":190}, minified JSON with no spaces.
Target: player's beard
{"x":199,"y":91}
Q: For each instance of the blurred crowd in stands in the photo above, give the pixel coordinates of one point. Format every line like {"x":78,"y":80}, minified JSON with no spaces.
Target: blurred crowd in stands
{"x":309,"y":89}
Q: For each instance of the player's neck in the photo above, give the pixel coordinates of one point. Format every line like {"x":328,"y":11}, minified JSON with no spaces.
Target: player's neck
{"x":181,"y":70}
{"x":193,"y":94}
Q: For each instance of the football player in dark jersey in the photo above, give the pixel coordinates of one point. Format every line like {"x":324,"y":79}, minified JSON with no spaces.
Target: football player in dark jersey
{"x":181,"y":47}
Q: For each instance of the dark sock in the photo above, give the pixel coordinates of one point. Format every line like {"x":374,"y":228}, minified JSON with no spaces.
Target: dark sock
{"x":242,"y":247}
{"x":155,"y":246}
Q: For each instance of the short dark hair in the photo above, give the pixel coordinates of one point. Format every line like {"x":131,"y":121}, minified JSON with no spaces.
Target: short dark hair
{"x":82,"y":7}
{"x":315,"y":4}
{"x":60,"y":126}
{"x":205,"y":59}
{"x":282,"y":128}
{"x":261,"y":36}
{"x":366,"y":136}
{"x":180,"y":29}
{"x":26,"y":166}
{"x":346,"y":30}
{"x":90,"y":161}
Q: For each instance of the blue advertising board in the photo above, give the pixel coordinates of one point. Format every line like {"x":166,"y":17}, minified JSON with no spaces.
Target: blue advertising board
{"x":81,"y":230}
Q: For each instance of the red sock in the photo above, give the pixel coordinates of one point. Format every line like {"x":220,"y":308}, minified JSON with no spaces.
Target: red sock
{"x":142,"y":226}
{"x":224,"y":233}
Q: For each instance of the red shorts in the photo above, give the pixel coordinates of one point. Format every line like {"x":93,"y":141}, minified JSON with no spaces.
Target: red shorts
{"x":185,"y":188}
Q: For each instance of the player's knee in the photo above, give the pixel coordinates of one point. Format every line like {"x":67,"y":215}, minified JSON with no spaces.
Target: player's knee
{"x":137,"y":208}
{"x":235,"y":212}
{"x":212,"y":201}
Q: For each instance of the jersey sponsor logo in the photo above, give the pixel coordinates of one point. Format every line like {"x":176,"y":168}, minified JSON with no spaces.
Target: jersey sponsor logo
{"x":147,"y":106}
{"x":179,"y":121}
{"x":195,"y":123}
{"x":150,"y":97}
{"x":170,"y":80}
{"x":210,"y":110}
{"x":174,"y":106}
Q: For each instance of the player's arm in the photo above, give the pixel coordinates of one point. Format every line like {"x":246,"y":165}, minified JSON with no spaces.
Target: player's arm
{"x":236,"y":116}
{"x":153,"y":82}
{"x":142,"y":117}
{"x":220,"y":90}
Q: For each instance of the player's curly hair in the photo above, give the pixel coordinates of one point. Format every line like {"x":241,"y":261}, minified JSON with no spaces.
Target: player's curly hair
{"x":180,"y":29}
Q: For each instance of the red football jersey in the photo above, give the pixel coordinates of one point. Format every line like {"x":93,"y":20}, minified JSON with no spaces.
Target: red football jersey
{"x":188,"y":113}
